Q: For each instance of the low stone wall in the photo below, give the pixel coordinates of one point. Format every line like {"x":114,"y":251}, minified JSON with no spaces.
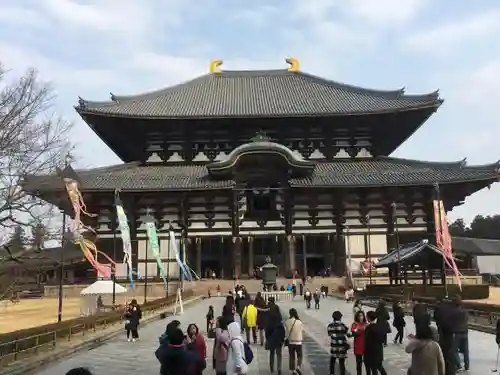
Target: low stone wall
{"x":153,"y":290}
{"x":361,"y":282}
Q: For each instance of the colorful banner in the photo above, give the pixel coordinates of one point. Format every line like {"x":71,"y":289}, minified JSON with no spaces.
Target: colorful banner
{"x":154,"y":246}
{"x":125,"y":234}
{"x":443,"y":239}
{"x":77,"y":228}
{"x":186,"y":272}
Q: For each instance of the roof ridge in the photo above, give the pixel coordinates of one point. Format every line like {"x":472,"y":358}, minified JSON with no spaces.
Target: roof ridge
{"x":110,"y":168}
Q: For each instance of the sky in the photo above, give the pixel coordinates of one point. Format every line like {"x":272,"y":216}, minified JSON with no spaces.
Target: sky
{"x":91,"y":48}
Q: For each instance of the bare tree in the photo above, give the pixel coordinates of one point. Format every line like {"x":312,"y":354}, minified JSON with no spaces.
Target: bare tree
{"x":33,"y":140}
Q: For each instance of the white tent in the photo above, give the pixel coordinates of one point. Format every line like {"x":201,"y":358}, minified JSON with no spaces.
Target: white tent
{"x":101,"y":288}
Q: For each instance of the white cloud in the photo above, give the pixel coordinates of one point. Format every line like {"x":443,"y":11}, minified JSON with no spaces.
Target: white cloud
{"x":388,"y":13}
{"x":452,"y":34}
{"x":15,"y":15}
{"x":106,"y":15}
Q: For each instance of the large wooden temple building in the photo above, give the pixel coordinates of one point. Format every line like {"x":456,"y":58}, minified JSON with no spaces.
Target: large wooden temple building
{"x":267,"y":162}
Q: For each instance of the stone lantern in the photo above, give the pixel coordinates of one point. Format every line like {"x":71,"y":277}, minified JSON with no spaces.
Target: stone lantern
{"x":269,"y":274}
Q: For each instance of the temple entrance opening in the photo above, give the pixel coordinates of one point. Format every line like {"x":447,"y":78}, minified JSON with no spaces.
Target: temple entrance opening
{"x":209,"y":266}
{"x":316,"y":266}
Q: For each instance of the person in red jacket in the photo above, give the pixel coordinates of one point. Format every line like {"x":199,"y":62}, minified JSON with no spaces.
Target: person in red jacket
{"x":358,"y":332}
{"x":196,"y":343}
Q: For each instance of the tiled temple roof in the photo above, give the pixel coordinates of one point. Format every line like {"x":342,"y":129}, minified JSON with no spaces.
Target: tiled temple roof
{"x":260,"y":93}
{"x":382,"y":171}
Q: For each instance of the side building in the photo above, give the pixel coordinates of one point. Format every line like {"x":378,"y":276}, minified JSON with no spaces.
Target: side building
{"x":272,"y":162}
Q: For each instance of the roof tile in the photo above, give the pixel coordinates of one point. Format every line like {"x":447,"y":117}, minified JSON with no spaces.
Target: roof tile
{"x":381,"y":171}
{"x":266,"y":93}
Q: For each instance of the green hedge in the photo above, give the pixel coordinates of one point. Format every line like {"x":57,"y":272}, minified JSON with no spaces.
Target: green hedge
{"x":31,"y":338}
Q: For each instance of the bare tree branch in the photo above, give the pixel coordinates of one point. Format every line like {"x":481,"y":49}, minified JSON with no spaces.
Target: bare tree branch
{"x":33,"y":140}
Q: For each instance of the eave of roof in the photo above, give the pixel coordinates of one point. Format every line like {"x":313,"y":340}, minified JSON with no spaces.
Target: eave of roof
{"x":407,"y":253}
{"x":475,"y":246}
{"x":370,"y":172}
{"x":262,"y":93}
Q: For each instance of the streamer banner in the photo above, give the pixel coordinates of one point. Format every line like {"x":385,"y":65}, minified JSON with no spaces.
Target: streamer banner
{"x":77,"y":228}
{"x":126,"y":241}
{"x":443,"y":239}
{"x":185,"y":270}
{"x":154,"y":246}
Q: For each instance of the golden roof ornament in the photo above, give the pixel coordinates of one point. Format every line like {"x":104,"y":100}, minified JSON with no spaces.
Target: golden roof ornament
{"x":214,"y":66}
{"x":294,"y":64}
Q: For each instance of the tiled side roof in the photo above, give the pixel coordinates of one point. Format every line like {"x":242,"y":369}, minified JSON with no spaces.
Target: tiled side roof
{"x":265,"y":93}
{"x":476,"y":246}
{"x":342,"y":173}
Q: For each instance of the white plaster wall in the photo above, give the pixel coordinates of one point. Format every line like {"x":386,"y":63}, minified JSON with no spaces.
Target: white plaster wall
{"x":355,"y":244}
{"x":378,"y":244}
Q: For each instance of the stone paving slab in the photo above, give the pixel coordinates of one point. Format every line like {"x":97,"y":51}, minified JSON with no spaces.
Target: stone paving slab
{"x":482,"y":346}
{"x":118,"y":357}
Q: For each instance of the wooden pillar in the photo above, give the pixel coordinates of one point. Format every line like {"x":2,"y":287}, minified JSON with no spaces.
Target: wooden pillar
{"x":292,"y":249}
{"x":289,"y":238}
{"x":198,"y":256}
{"x":251,"y":261}
{"x":341,"y":256}
{"x":389,"y":210}
{"x":222,"y":258}
{"x":236,"y":239}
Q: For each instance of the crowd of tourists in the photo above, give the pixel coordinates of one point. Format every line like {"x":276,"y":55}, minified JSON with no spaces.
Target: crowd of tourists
{"x":245,"y":322}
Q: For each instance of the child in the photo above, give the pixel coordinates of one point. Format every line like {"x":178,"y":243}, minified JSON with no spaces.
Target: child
{"x":338,"y":342}
{"x":210,"y":319}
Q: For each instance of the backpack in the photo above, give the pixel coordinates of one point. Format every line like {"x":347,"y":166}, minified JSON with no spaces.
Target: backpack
{"x":248,"y":353}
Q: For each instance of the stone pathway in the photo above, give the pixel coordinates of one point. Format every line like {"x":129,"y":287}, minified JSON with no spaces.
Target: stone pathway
{"x":483,"y":350}
{"x":118,"y":357}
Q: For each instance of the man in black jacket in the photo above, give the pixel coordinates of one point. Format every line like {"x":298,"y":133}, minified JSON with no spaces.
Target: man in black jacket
{"x":173,"y":356}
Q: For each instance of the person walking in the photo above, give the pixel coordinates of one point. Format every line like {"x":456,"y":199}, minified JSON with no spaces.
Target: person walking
{"x":249,"y":321}
{"x":398,"y":322}
{"x":426,"y":355}
{"x":236,"y":361}
{"x":461,"y":334}
{"x":133,"y":316}
{"x":338,"y":331}
{"x":374,"y":345}
{"x":221,"y":347}
{"x":383,"y":318}
{"x":275,"y":338}
{"x":294,"y":336}
{"x":358,"y":332}
{"x":262,"y":311}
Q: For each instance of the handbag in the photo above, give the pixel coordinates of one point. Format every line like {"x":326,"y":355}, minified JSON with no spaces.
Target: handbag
{"x":287,"y":340}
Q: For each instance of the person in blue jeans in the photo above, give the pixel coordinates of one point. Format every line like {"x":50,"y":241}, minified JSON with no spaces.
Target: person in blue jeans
{"x":461,"y":334}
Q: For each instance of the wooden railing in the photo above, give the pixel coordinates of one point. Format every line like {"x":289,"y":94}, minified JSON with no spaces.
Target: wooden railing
{"x":76,"y":329}
{"x":278,"y":296}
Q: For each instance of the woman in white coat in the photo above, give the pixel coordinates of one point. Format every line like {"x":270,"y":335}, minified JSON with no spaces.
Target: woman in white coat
{"x":236,"y":363}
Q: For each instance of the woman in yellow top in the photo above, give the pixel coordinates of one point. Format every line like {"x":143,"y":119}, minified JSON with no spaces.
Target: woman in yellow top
{"x":249,"y":321}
